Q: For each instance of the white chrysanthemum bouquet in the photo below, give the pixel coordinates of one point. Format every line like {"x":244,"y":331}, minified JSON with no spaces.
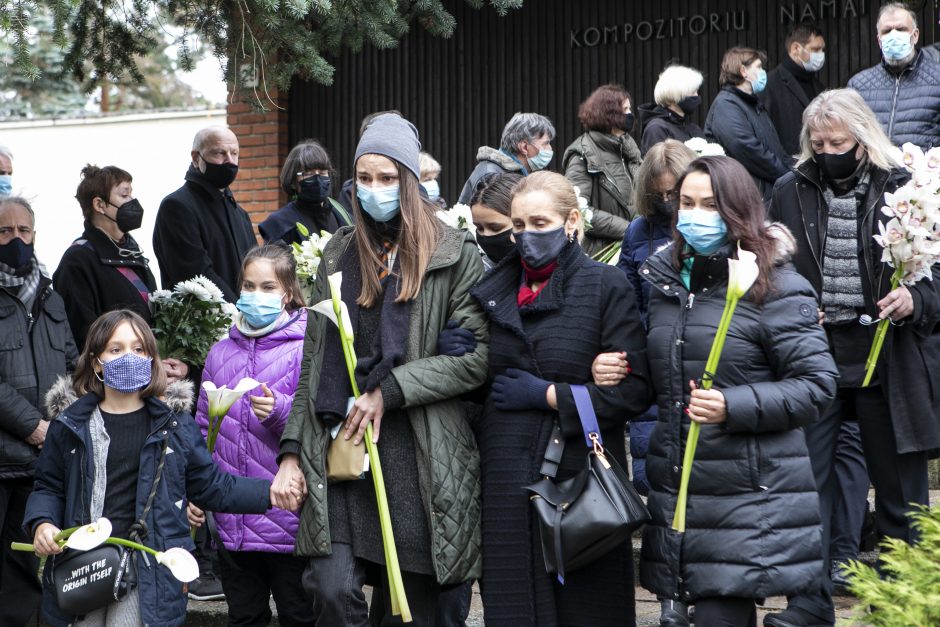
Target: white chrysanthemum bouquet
{"x":703,"y":148}
{"x":911,"y":238}
{"x":188,"y":320}
{"x":307,"y":256}
{"x":458,"y":217}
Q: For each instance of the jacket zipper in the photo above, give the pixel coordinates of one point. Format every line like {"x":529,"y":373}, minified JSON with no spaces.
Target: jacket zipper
{"x":894,"y":105}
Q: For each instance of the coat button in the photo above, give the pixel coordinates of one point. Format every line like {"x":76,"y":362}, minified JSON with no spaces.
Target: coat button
{"x":675,"y":469}
{"x":492,"y":303}
{"x":646,"y":270}
{"x":678,"y":403}
{"x":319,"y":486}
{"x":174,"y":423}
{"x":812,"y":224}
{"x":665,"y":287}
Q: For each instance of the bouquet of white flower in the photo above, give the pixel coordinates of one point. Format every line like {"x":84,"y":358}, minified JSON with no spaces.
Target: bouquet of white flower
{"x":188,"y":320}
{"x":703,"y":148}
{"x":911,"y":238}
{"x":458,"y":217}
{"x":307,"y":256}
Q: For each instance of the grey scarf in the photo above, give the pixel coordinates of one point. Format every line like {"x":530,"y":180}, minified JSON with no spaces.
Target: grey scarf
{"x":842,"y":291}
{"x":25,"y":284}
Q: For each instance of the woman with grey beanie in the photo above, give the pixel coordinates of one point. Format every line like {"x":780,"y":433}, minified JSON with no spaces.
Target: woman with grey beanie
{"x":405,"y":276}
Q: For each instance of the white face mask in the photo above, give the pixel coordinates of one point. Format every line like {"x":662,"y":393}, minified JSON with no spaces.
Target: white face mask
{"x":816,"y":61}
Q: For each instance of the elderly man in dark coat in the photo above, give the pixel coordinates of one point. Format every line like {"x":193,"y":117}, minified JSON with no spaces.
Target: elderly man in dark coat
{"x":36,"y":347}
{"x":200,"y":229}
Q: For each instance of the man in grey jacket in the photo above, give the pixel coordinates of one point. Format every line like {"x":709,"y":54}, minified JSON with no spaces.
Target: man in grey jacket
{"x":36,"y":347}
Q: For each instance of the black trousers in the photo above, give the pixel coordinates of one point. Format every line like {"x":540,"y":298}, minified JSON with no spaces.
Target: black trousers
{"x":255,"y":578}
{"x":20,"y":592}
{"x":851,"y":496}
{"x":899,"y":479}
{"x":335,"y":582}
{"x":725,"y":612}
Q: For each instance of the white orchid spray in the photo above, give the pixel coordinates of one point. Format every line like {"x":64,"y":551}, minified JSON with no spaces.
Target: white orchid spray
{"x":742,"y":273}
{"x":188,"y":320}
{"x":458,"y":217}
{"x":911,"y":238}
{"x":307,"y":256}
{"x":338,"y":313}
{"x":179,"y":561}
{"x":220,"y":401}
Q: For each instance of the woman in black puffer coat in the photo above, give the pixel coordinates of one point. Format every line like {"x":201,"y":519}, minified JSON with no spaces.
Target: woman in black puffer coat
{"x":753,"y":528}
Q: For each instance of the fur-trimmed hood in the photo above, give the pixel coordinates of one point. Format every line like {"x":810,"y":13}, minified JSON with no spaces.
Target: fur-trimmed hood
{"x":500,"y":158}
{"x":178,"y":396}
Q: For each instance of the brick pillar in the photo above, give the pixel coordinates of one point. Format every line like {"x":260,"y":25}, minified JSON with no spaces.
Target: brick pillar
{"x":262,"y":140}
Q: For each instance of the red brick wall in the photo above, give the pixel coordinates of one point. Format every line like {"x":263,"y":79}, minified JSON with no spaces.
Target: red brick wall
{"x":262,"y":140}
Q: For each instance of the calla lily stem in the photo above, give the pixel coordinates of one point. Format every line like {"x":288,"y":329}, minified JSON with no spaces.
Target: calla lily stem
{"x":880,"y":333}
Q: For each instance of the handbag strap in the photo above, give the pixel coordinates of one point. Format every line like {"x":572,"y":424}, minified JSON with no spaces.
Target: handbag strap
{"x":582,"y":401}
{"x":138,"y":530}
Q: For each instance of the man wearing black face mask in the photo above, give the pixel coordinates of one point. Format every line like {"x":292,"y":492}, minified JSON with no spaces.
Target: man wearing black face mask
{"x":200,"y":229}
{"x":306,"y":178}
{"x":36,"y":348}
{"x":105,"y":269}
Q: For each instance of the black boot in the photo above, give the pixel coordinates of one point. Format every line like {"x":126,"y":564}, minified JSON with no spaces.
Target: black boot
{"x":673,"y":614}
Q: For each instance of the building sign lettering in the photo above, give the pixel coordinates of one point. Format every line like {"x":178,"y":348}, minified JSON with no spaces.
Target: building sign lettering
{"x":645,"y":30}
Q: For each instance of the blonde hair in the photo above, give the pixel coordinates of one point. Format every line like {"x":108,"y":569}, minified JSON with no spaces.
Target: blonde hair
{"x":675,"y":83}
{"x":428,"y":164}
{"x":670,"y":157}
{"x":845,"y":107}
{"x":556,"y":186}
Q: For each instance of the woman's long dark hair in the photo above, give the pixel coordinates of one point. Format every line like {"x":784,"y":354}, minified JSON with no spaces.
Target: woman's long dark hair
{"x":741,"y":207}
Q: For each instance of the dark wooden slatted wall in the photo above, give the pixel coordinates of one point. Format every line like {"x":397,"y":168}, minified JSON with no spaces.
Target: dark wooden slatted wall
{"x":460,"y":92}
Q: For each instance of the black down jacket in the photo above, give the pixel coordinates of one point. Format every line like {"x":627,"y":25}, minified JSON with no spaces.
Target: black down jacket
{"x":739,"y":122}
{"x":35,"y":348}
{"x":909,"y":367}
{"x":907,"y":103}
{"x":753,"y":527}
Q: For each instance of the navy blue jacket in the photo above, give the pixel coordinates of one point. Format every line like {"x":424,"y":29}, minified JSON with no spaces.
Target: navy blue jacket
{"x":62,"y":496}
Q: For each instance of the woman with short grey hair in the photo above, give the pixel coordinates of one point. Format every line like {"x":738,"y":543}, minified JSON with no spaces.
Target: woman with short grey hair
{"x":525,"y":147}
{"x":306,"y":178}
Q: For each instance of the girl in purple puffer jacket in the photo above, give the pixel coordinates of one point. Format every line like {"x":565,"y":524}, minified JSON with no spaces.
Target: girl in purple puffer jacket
{"x":266,"y":344}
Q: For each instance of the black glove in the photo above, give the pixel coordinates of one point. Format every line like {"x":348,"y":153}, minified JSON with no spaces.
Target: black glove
{"x":517,"y":390}
{"x":454,"y":341}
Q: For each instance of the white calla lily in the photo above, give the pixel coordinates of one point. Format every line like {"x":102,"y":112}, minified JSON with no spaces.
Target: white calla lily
{"x":181,"y":563}
{"x":89,"y":536}
{"x":221,"y":399}
{"x":742,"y":272}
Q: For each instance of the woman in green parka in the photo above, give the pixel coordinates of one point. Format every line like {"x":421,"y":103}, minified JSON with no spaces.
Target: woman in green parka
{"x":405,"y":276}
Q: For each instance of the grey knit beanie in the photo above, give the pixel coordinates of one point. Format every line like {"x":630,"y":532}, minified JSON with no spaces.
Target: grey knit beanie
{"x":394,"y":137}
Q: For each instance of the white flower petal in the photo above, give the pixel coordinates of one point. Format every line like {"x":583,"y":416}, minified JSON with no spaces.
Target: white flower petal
{"x":89,"y":536}
{"x":742,"y":272}
{"x":181,"y":563}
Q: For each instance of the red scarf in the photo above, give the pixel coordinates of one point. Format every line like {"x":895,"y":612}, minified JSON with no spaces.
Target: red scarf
{"x":541,"y":275}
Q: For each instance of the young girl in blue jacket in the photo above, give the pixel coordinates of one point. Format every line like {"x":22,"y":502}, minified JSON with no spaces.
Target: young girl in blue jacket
{"x":102,"y":458}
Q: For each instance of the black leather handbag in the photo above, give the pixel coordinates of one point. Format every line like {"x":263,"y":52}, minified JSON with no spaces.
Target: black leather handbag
{"x":584,"y":517}
{"x":89,"y":580}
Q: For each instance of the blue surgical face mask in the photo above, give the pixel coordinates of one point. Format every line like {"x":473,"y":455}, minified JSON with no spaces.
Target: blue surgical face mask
{"x":896,"y":45}
{"x":540,"y":248}
{"x":6,"y":185}
{"x":128,"y":373}
{"x":541,"y":160}
{"x":816,"y":61}
{"x":259,"y":309}
{"x":760,"y":81}
{"x":433,"y":189}
{"x":381,"y":203}
{"x":703,"y":230}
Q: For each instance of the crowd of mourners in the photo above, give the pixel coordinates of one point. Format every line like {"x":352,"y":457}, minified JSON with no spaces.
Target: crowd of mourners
{"x":470,"y":349}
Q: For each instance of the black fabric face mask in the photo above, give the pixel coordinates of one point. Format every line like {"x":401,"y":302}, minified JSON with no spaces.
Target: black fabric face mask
{"x":314,"y":190}
{"x":689,"y":104}
{"x":664,"y":208}
{"x":838,"y":167}
{"x":220,"y":175}
{"x":130,"y":215}
{"x":16,"y":253}
{"x":628,"y":121}
{"x":497,"y":246}
{"x":540,"y":248}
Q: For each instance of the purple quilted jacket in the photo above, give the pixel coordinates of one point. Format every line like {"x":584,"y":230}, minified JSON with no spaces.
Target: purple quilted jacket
{"x":246,"y":446}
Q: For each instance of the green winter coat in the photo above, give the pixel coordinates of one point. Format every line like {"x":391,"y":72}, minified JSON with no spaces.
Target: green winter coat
{"x":448,"y":460}
{"x":604,"y":167}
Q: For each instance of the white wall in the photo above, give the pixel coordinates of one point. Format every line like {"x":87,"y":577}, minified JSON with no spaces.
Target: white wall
{"x":50,"y":154}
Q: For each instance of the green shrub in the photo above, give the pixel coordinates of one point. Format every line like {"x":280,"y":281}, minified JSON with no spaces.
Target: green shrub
{"x":908,"y":590}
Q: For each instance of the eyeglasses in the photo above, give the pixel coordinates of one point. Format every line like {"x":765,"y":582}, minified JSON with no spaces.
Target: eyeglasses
{"x":310,"y":173}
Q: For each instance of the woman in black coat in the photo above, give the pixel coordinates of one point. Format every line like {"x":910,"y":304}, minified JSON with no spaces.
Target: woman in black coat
{"x":738,"y":121}
{"x":104,"y":269}
{"x":675,"y":99}
{"x":551,"y":311}
{"x":753,"y":528}
{"x":846,"y":166}
{"x":306,"y":178}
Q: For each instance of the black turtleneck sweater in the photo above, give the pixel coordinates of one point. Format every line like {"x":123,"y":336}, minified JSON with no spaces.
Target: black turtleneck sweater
{"x":804,"y":78}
